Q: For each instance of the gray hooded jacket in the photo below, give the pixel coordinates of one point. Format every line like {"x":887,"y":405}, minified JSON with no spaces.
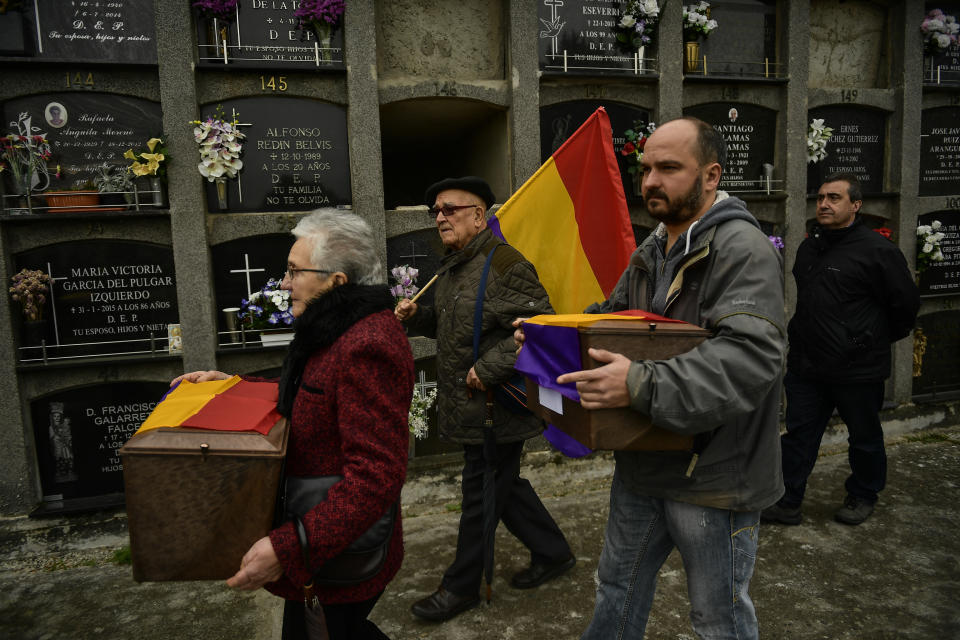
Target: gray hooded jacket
{"x":724,"y":275}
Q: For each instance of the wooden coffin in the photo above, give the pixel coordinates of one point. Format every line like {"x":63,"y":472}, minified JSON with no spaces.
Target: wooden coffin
{"x":618,"y":429}
{"x":197,"y":499}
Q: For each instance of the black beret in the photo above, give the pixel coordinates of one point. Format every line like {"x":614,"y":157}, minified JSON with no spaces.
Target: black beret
{"x":473,"y":184}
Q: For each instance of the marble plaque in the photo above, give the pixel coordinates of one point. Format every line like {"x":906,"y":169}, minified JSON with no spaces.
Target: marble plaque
{"x":858,"y":146}
{"x":750,"y":133}
{"x":107,"y":297}
{"x":940,"y":151}
{"x":243,"y":266}
{"x":295,"y":156}
{"x":939,"y":372}
{"x":745,"y":43}
{"x":264,"y":34}
{"x":77,"y":433}
{"x":88,"y":31}
{"x":86,"y":129}
{"x":559,"y":121}
{"x":577,"y":37}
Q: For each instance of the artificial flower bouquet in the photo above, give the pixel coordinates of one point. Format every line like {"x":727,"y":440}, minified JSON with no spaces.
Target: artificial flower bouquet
{"x":268,"y":308}
{"x":637,"y":24}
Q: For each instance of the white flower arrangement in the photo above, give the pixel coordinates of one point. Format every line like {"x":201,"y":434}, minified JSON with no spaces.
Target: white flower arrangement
{"x":697,"y":21}
{"x":406,"y":279}
{"x":928,"y":245}
{"x":940,"y":31}
{"x":817,"y":136}
{"x":419,"y":405}
{"x":637,"y":24}
{"x":221,"y":143}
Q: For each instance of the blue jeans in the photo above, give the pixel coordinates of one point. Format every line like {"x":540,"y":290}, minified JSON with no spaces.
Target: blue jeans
{"x":718,"y":548}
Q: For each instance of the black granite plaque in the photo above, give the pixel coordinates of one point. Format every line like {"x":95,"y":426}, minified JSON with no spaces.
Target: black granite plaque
{"x":577,"y":37}
{"x":559,"y":121}
{"x":857,"y":146}
{"x":939,"y":372}
{"x":421,"y":249}
{"x":750,"y":133}
{"x":745,"y":42}
{"x":940,"y":151}
{"x":243,"y":266}
{"x":295,"y":156}
{"x":77,"y":433}
{"x":943,"y":278}
{"x":87,"y":129}
{"x":107,"y":297}
{"x":88,"y":31}
{"x":264,"y":34}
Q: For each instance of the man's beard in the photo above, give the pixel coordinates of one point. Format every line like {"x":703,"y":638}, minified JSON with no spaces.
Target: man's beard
{"x":680,"y":210}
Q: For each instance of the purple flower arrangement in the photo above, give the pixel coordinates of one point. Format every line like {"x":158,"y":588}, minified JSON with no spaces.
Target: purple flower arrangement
{"x":219,"y":9}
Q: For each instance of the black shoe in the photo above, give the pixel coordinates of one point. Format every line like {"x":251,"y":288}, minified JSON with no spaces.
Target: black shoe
{"x":538,"y":573}
{"x":780,"y":514}
{"x":443,"y":605}
{"x":854,"y":511}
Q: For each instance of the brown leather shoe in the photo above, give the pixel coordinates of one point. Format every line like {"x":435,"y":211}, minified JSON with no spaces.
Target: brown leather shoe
{"x":538,"y":573}
{"x":443,"y":605}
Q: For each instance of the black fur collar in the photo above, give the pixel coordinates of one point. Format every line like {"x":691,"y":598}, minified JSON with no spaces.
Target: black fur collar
{"x":323,"y":321}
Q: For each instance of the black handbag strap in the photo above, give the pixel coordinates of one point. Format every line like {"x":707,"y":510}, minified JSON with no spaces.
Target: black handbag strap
{"x":478,"y":305}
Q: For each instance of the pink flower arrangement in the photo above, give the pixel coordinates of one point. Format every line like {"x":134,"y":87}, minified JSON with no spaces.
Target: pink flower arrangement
{"x":940,"y":31}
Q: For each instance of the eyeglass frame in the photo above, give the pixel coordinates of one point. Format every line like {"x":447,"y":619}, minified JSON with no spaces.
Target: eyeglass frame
{"x":292,"y":272}
{"x":449,"y":210}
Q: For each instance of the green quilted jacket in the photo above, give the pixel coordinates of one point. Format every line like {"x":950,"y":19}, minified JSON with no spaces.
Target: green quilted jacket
{"x":513,"y":291}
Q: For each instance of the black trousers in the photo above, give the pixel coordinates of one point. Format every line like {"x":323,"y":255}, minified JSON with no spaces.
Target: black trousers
{"x":517,"y":506}
{"x":810,"y":404}
{"x":344,"y":621}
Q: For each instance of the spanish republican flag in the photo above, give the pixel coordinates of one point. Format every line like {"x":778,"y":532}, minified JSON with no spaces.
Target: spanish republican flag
{"x":222,"y":405}
{"x":570,"y":219}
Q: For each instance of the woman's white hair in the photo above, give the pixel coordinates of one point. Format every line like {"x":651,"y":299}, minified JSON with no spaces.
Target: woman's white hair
{"x":342,"y":241}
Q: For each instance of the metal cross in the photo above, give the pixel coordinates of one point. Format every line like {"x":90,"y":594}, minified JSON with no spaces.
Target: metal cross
{"x":233,"y":110}
{"x":423,"y":387}
{"x":53,"y":303}
{"x":247,"y":271}
{"x":414,"y":255}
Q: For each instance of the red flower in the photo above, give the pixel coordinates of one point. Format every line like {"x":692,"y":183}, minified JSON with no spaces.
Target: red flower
{"x":886,"y":233}
{"x":642,"y":143}
{"x":628,"y":149}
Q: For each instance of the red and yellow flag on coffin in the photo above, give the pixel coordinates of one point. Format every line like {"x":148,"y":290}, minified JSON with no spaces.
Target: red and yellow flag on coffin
{"x":222,"y":405}
{"x":570,"y":219}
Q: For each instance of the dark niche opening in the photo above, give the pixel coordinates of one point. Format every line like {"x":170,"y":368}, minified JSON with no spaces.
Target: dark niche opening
{"x":428,"y":139}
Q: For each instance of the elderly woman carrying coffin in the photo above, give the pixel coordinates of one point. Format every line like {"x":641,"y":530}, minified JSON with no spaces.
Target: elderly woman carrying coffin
{"x":346,"y":386}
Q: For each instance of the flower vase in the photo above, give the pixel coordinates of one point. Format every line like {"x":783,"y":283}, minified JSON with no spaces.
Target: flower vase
{"x":156,"y":187}
{"x":691,"y":56}
{"x":324,"y":34}
{"x":34,"y":331}
{"x":218,"y":38}
{"x":221,"y":194}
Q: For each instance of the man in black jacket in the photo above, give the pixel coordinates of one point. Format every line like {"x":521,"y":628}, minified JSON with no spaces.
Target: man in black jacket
{"x":855,"y":297}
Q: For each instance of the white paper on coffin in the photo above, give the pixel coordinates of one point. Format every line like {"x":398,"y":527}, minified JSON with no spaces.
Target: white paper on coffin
{"x":551,"y":399}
